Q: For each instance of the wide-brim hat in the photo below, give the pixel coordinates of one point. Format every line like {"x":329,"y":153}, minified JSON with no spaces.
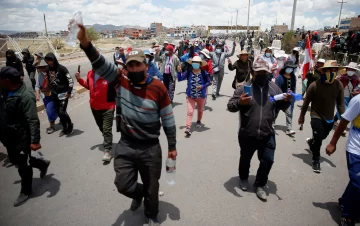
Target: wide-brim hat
{"x":352,"y":65}
{"x":206,"y":53}
{"x":243,"y":52}
{"x":42,"y":64}
{"x":280,"y":53}
{"x":331,"y":64}
{"x":39,"y":54}
{"x":197,"y":59}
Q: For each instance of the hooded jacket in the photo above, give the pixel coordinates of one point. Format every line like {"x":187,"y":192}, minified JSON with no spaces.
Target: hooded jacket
{"x":29,"y":62}
{"x":219,"y":58}
{"x":154,"y":71}
{"x":59,"y":78}
{"x":243,"y":70}
{"x":13,"y":61}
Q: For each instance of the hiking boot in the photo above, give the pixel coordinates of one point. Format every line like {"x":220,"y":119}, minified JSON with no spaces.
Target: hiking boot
{"x":316,"y":166}
{"x":107,"y":156}
{"x":154,"y":222}
{"x":70,"y":129}
{"x":21,"y":199}
{"x":198,"y":124}
{"x":244,"y":184}
{"x":290,"y":132}
{"x":136,"y":203}
{"x":261,"y":194}
{"x":188,"y":132}
{"x":213,"y":97}
{"x":50,"y":130}
{"x":347,"y":222}
{"x":45,"y":169}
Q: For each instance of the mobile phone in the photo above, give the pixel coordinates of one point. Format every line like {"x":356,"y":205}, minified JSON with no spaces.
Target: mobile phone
{"x":247,"y":89}
{"x":79,"y":68}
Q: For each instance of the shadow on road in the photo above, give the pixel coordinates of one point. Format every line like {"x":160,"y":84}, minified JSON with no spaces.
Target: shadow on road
{"x":129,"y":218}
{"x":233,"y":183}
{"x":3,"y":156}
{"x":334,"y":211}
{"x":100,"y":147}
{"x":307,"y":158}
{"x":280,"y":127}
{"x":41,"y":186}
{"x":75,"y":133}
{"x":176,"y":104}
{"x":194,"y":129}
{"x":207,"y":108}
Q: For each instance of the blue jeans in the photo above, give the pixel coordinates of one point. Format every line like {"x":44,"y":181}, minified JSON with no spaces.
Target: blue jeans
{"x":50,"y":108}
{"x":351,"y":197}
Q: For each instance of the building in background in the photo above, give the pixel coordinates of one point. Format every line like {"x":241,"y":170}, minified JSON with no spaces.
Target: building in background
{"x":344,"y":24}
{"x":156,"y":28}
{"x":355,"y":24}
{"x":279,"y":29}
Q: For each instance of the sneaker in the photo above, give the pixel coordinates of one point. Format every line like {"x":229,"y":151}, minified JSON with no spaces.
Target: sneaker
{"x":188,"y":132}
{"x":290,"y":132}
{"x":62,"y":133}
{"x":70,"y":129}
{"x":316,"y":166}
{"x":309,"y":142}
{"x":244,"y":184}
{"x":153,"y":222}
{"x":21,"y":199}
{"x":50,"y":130}
{"x":45,"y":169}
{"x":107,"y":156}
{"x":347,"y":222}
{"x":261,"y":194}
{"x":136,"y":203}
{"x":213,"y":97}
{"x":198,"y":124}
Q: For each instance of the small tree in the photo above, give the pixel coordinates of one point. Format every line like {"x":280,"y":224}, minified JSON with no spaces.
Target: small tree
{"x":289,"y":41}
{"x":58,"y":43}
{"x":92,"y":34}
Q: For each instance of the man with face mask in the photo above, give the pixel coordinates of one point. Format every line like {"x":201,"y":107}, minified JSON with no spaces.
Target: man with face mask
{"x":243,"y":67}
{"x":323,"y":94}
{"x":28,"y":60}
{"x":313,"y":76}
{"x":152,"y":71}
{"x":13,"y":61}
{"x":142,"y":106}
{"x":256,"y":133}
{"x":218,"y":57}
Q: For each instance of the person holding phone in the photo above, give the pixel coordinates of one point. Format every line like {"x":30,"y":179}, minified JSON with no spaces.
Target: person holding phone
{"x":256,"y":133}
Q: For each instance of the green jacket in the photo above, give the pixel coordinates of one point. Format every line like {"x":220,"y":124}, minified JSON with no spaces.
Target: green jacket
{"x":21,"y":123}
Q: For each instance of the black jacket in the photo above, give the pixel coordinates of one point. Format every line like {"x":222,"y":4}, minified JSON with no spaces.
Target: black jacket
{"x":29,"y":62}
{"x":243,"y":70}
{"x":60,"y":80}
{"x":258,"y":117}
{"x":13,"y":61}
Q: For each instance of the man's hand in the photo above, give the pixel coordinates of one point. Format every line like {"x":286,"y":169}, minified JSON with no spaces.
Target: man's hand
{"x":330,"y":149}
{"x":354,"y":93}
{"x":77,"y":76}
{"x":82,"y":36}
{"x":179,"y":68}
{"x":68,"y":95}
{"x":245,"y":99}
{"x":35,"y":147}
{"x":301,"y":120}
{"x":172,"y":154}
{"x":287,"y":97}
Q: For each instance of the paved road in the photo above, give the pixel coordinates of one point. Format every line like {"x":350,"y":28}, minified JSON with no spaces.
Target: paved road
{"x":79,"y":189}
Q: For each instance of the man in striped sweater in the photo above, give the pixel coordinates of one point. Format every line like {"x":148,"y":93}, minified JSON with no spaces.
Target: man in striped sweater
{"x":140,"y":104}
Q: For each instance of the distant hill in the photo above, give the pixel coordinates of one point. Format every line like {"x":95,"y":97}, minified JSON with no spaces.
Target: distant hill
{"x":7,"y":32}
{"x":110,"y":27}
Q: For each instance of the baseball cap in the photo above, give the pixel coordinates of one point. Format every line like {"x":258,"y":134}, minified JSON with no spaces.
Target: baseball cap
{"x":135,"y":55}
{"x":261,"y":65}
{"x":170,"y":48}
{"x":8,"y":72}
{"x":321,"y":61}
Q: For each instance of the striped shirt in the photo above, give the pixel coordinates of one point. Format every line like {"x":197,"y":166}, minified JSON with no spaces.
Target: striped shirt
{"x":139,"y":108}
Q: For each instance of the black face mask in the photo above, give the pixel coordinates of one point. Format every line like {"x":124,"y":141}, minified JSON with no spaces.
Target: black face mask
{"x":261,"y":79}
{"x":136,"y":77}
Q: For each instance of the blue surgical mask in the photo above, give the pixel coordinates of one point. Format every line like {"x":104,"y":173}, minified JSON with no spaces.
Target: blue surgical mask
{"x":218,"y":50}
{"x":267,"y":54}
{"x":195,"y":65}
{"x":289,"y":70}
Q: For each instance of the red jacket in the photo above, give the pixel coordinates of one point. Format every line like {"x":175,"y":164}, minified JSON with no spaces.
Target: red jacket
{"x":208,"y":67}
{"x":210,"y":48}
{"x":102,"y":96}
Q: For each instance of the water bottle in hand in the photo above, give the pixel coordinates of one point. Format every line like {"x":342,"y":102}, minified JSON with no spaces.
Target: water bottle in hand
{"x":170,"y":171}
{"x":74,"y":29}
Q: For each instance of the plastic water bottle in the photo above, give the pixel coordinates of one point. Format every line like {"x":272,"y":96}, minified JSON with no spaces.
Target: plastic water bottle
{"x":170,"y":171}
{"x":74,"y":29}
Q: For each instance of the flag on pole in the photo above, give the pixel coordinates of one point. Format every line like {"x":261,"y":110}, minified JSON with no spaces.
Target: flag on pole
{"x":307,"y":60}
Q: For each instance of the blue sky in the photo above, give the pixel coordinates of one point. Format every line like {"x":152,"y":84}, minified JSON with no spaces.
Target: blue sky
{"x":27,"y":14}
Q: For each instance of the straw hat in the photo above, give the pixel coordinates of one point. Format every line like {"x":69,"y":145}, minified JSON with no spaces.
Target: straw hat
{"x":352,"y":65}
{"x":42,"y":64}
{"x":330,"y":64}
{"x":197,"y":59}
{"x":243,"y":52}
{"x":206,"y":53}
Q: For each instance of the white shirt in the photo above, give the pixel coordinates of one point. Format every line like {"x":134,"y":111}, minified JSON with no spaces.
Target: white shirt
{"x":352,"y":114}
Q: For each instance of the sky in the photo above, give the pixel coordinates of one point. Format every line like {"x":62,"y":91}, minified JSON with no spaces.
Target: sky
{"x":27,"y":15}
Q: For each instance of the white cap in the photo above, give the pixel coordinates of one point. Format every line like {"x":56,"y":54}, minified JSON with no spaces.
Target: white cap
{"x":296,"y":49}
{"x":166,"y":42}
{"x":321,"y":61}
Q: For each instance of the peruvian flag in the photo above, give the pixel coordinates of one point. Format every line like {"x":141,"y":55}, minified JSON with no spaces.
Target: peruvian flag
{"x":307,"y":59}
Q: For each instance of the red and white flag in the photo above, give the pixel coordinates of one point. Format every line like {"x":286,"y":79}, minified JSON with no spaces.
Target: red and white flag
{"x":308,"y":58}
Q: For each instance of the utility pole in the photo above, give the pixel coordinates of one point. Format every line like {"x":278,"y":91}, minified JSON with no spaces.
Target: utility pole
{"x":46,"y":33}
{"x":228,"y":27}
{"x":248,"y":18}
{"x":237,"y":13}
{"x":231,"y":26}
{"x":293,"y":16}
{"x":342,"y":2}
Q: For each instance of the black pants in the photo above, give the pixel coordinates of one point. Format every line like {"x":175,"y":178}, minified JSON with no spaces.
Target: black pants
{"x":104,"y":120}
{"x":131,"y":158}
{"x":61,"y":106}
{"x":265,"y":149}
{"x":25,"y":163}
{"x":321,"y":130}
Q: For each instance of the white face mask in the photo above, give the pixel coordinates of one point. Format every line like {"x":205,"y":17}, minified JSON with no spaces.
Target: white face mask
{"x":120,"y":66}
{"x":350,"y":73}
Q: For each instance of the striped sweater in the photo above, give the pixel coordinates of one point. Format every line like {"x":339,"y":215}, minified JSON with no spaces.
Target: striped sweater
{"x":139,"y":108}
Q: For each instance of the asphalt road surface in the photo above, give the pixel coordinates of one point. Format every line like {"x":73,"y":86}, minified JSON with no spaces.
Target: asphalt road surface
{"x":79,"y":189}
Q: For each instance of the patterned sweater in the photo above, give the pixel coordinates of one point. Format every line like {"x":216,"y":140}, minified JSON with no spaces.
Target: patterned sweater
{"x":139,"y":108}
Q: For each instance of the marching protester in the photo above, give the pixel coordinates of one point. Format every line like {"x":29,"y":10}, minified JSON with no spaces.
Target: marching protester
{"x":61,"y":86}
{"x":270,"y":59}
{"x":153,"y":70}
{"x":349,"y":202}
{"x":39,"y":57}
{"x":295,"y":56}
{"x":281,"y":58}
{"x":243,"y":67}
{"x":323,"y":94}
{"x":169,"y":63}
{"x":208,"y":46}
{"x":204,"y":55}
{"x":116,"y":55}
{"x":313,"y":76}
{"x":43,"y":92}
{"x":138,"y":149}
{"x":197,"y":82}
{"x":163,"y":50}
{"x":102,"y":104}
{"x":180,"y":49}
{"x":256,"y":132}
{"x":13,"y":61}
{"x":218,"y":57}
{"x":287,"y":82}
{"x":21,"y":130}
{"x":28,"y":60}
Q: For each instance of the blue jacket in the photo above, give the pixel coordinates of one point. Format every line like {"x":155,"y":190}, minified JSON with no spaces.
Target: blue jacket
{"x":280,"y":81}
{"x":204,"y":81}
{"x":154,"y":71}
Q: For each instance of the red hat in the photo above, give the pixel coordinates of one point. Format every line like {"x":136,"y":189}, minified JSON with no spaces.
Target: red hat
{"x":170,"y":48}
{"x":129,"y":49}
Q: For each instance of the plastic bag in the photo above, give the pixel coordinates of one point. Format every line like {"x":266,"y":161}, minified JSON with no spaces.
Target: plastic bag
{"x":74,"y":29}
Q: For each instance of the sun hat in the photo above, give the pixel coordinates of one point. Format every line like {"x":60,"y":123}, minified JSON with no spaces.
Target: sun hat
{"x":331,"y":64}
{"x":197,"y":59}
{"x":206,"y":53}
{"x":243,"y":52}
{"x":261,"y":65}
{"x":135,"y":55}
{"x":39,"y":54}
{"x":42,"y":64}
{"x":352,"y":65}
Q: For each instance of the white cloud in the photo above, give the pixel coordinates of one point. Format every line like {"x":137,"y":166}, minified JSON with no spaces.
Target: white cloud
{"x":327,"y":13}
